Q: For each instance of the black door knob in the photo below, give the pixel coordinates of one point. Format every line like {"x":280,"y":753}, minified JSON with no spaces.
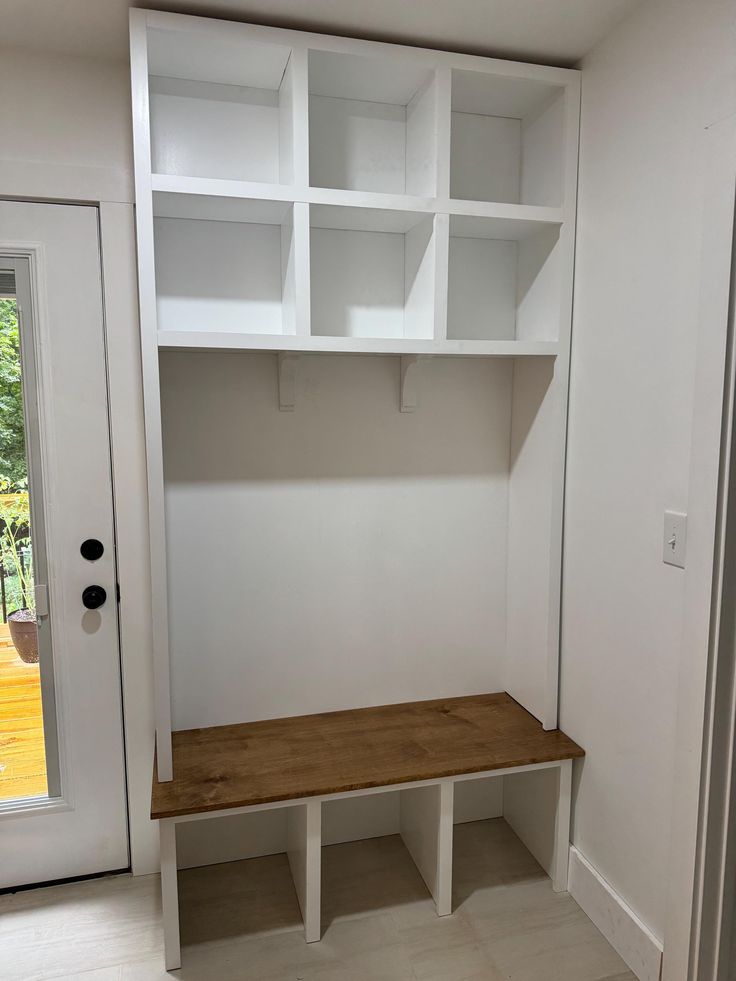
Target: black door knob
{"x":93,"y":597}
{"x":92,"y":549}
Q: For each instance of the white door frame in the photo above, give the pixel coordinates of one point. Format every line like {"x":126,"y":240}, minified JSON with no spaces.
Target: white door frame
{"x":710,"y":444}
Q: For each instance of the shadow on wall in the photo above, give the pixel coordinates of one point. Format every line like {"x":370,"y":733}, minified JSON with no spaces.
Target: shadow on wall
{"x":221,"y":420}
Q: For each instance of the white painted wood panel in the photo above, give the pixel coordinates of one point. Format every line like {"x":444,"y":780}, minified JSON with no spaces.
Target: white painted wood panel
{"x":373,"y":284}
{"x":304,"y":850}
{"x":426,"y":830}
{"x":222,"y":276}
{"x":495,"y":141}
{"x":303,"y":547}
{"x":481,"y":303}
{"x":200,"y":129}
{"x":531,"y":643}
{"x":372,"y":125}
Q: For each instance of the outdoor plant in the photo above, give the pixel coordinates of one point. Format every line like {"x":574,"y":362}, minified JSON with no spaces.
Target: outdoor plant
{"x":15,"y":544}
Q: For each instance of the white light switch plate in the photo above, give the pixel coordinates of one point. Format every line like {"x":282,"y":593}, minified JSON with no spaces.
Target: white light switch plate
{"x":674,"y":543}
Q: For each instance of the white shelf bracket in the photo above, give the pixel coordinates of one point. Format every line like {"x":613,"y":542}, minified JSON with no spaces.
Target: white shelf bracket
{"x":288,"y":365}
{"x":409,"y":390}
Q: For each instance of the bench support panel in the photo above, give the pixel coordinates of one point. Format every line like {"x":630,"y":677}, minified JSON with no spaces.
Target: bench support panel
{"x":304,"y":849}
{"x":426,"y":829}
{"x":561,"y":855}
{"x":169,"y":895}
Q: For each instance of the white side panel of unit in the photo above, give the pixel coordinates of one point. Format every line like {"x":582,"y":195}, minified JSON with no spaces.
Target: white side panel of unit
{"x":530,"y":643}
{"x":151,"y":392}
{"x":543,"y":157}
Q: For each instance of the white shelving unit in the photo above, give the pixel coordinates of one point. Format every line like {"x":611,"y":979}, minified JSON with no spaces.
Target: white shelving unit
{"x":299,"y":194}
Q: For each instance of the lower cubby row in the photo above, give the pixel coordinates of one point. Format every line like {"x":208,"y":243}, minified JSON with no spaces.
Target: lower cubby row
{"x":277,"y":268}
{"x":413,"y":827}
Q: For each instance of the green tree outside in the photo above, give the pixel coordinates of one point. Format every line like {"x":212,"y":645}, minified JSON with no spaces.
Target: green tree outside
{"x":12,"y":428}
{"x":15,"y":542}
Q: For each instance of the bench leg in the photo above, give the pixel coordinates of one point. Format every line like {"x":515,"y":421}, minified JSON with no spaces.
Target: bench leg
{"x":304,"y":850}
{"x":169,"y":895}
{"x":561,"y":855}
{"x":426,"y":829}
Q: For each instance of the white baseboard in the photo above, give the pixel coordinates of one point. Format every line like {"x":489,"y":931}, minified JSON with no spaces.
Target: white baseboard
{"x":632,"y":940}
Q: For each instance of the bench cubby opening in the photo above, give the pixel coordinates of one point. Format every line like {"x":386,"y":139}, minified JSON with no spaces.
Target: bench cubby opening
{"x":220,"y":109}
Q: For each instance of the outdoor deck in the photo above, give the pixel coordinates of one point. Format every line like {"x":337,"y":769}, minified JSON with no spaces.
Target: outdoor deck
{"x":22,"y":752}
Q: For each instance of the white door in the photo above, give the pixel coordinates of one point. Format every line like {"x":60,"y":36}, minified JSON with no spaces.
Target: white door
{"x":62,"y":771}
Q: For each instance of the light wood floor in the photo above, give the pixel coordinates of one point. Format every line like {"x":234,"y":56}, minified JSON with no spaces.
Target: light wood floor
{"x":22,"y":751}
{"x":240,"y":922}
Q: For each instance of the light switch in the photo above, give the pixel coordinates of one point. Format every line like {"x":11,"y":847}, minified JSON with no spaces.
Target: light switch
{"x":674,"y":543}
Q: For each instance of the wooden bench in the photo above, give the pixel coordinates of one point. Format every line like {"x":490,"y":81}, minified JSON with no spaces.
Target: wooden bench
{"x":420,"y":749}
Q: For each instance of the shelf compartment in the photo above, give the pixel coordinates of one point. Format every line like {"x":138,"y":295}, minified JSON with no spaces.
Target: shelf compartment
{"x":373,"y":273}
{"x":506,"y":139}
{"x":221,"y":109}
{"x":239,"y":274}
{"x":372,"y":124}
{"x":502,"y":287}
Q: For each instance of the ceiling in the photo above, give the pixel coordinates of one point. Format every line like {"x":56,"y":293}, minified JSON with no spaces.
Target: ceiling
{"x":553,"y":31}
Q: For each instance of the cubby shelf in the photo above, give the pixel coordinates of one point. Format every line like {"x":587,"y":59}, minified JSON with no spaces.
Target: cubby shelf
{"x":226,"y":341}
{"x":190,"y":187}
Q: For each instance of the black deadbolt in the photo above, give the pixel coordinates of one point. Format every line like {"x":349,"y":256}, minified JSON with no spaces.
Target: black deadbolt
{"x":93,"y":597}
{"x":92,"y":549}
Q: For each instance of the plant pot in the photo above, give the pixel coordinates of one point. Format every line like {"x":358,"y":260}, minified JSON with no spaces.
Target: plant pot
{"x":24,"y":634}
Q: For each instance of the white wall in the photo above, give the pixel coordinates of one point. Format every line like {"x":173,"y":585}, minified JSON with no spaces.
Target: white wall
{"x":649,"y":90}
{"x":65,"y":125}
{"x":342,"y":555}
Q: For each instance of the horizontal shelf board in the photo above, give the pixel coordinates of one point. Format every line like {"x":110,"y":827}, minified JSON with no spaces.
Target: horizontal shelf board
{"x":221,"y":201}
{"x":196,"y":206}
{"x":363,"y":219}
{"x":221,"y":341}
{"x":339,"y":752}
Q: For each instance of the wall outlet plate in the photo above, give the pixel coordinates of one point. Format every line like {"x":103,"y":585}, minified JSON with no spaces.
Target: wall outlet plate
{"x":674,"y":541}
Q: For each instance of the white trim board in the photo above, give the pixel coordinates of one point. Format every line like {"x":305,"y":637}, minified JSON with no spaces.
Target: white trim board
{"x":632,"y":940}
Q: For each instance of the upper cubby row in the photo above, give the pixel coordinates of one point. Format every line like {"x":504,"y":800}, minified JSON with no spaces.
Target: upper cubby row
{"x":271,"y":113}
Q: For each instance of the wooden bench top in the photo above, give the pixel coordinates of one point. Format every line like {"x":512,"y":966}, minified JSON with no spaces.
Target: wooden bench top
{"x":336,"y":752}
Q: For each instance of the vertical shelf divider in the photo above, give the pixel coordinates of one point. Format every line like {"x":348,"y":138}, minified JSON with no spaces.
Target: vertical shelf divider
{"x":441,"y":275}
{"x":299,"y":65}
{"x":302,"y":267}
{"x":304,"y":850}
{"x":444,"y":117}
{"x":426,"y":825}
